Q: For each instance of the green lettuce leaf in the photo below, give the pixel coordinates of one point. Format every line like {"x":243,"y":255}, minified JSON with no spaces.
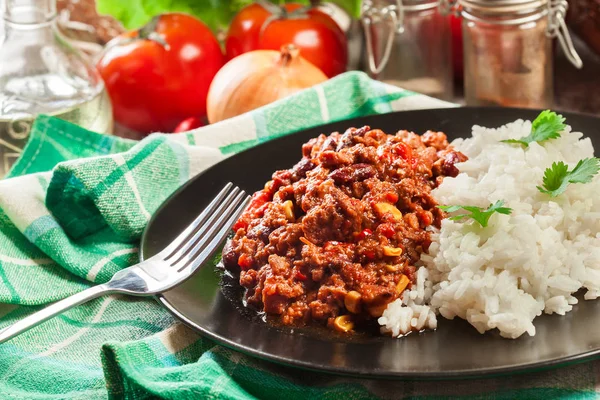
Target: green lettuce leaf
{"x":215,"y":13}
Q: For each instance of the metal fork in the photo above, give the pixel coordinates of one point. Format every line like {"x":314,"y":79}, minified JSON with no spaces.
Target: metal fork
{"x":165,"y":270}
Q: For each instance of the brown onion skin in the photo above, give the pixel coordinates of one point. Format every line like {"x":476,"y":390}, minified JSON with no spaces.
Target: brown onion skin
{"x":257,"y":78}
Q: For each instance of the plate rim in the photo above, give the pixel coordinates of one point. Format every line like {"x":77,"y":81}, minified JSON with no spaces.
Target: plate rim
{"x":490,"y":372}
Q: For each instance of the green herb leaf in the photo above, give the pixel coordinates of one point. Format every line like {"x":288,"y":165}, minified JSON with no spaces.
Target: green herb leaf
{"x":548,"y":125}
{"x":217,"y":14}
{"x":477,"y":213}
{"x":585,"y":170}
{"x":449,"y":209}
{"x":558,"y":177}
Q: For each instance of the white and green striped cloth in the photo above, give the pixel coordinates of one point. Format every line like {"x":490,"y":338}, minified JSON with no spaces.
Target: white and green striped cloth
{"x":71,"y":215}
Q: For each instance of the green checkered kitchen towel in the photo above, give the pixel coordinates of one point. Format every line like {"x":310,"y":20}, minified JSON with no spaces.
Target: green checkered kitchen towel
{"x":71,"y":215}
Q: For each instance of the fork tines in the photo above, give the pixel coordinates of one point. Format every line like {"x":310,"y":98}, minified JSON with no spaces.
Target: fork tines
{"x":203,"y":236}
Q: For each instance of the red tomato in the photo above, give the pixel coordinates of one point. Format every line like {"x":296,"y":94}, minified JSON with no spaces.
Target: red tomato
{"x":188,"y":124}
{"x":244,"y":30}
{"x":153,"y":86}
{"x":316,"y":34}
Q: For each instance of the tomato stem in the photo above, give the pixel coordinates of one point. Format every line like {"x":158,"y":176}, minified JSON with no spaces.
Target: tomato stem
{"x":148,"y":32}
{"x":280,"y":12}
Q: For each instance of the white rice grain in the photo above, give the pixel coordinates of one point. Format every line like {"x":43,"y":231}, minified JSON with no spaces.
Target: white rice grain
{"x":521,"y":265}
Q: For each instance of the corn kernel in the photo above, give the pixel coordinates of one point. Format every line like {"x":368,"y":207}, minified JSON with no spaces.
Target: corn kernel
{"x":392,"y":268}
{"x":392,"y":251}
{"x":343,"y":323}
{"x":288,"y":210}
{"x":352,"y":301}
{"x":402,"y":284}
{"x":383,"y":208}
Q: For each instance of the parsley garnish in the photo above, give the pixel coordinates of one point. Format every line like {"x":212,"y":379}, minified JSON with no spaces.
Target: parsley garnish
{"x":477,"y":213}
{"x":558,"y":177}
{"x":547,"y":125}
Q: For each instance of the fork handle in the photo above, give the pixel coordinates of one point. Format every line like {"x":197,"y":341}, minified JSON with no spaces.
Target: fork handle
{"x":51,"y":311}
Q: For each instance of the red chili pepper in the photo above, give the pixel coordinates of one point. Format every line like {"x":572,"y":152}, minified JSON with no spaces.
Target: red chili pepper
{"x":403,"y":150}
{"x":258,"y":199}
{"x":386,"y":157}
{"x":387,"y":230}
{"x":425,"y":217}
{"x":365,"y":232}
{"x":370,"y":254}
{"x":300,"y":276}
{"x":391,"y":197}
{"x":245,"y":261}
{"x":240,"y":224}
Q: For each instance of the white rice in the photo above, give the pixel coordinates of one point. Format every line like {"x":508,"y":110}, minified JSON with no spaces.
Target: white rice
{"x":520,"y":265}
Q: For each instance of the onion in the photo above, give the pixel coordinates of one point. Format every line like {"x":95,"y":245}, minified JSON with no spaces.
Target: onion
{"x":257,"y":78}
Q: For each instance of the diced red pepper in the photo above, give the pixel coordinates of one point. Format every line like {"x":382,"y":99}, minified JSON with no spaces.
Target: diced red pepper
{"x":245,"y":261}
{"x":403,"y":150}
{"x":391,"y":197}
{"x":370,"y":254}
{"x":425,"y":217}
{"x":387,"y":230}
{"x":240,"y":224}
{"x":365,"y":232}
{"x":300,"y":276}
{"x":384,"y":156}
{"x":258,"y":199}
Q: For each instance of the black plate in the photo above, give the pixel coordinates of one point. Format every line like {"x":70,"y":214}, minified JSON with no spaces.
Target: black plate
{"x":454,"y":350}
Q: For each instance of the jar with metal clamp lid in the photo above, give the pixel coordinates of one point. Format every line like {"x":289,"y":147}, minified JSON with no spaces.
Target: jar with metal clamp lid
{"x":408,"y":44}
{"x":508,"y":52}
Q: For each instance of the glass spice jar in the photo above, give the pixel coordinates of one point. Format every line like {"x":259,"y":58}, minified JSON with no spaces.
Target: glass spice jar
{"x":408,"y":44}
{"x":508,"y":52}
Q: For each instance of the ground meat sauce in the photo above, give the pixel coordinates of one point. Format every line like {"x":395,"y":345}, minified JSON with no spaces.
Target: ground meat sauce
{"x":335,"y":238}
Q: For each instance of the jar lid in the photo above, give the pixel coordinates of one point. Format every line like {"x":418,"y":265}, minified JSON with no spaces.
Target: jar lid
{"x":503,"y":6}
{"x":406,"y":5}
